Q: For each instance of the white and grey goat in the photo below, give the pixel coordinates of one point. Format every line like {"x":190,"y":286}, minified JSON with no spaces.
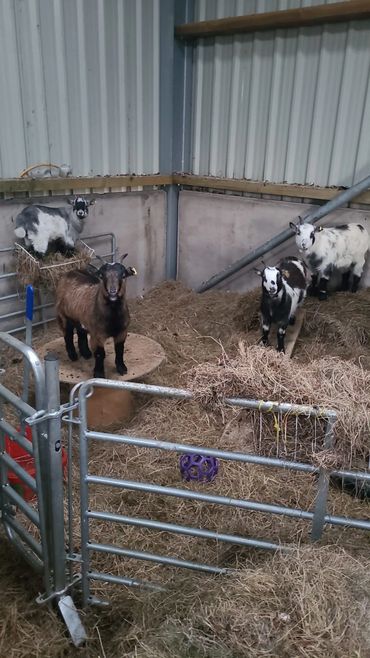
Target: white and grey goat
{"x":340,"y":248}
{"x":41,"y":226}
{"x":283,"y":291}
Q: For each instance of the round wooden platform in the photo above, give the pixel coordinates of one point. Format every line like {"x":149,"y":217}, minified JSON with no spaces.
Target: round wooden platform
{"x":142,"y":356}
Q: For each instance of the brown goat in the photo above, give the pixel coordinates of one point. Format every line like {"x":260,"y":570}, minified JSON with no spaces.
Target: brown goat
{"x":95,"y":304}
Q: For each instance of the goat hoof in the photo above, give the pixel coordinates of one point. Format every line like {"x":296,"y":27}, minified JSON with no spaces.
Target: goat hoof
{"x":86,"y":354}
{"x":99,"y":374}
{"x":73,"y":356}
{"x":121,"y":368}
{"x":323,"y":296}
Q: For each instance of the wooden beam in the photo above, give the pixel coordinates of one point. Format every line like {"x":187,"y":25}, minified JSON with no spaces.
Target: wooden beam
{"x":11,"y":185}
{"x":35,"y":185}
{"x":272,"y":20}
{"x":257,"y":187}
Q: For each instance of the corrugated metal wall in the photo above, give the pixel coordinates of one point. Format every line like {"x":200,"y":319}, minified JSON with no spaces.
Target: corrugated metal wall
{"x":79,"y":85}
{"x":288,"y":105}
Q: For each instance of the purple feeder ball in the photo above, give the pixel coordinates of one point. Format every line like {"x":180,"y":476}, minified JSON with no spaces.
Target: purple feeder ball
{"x":198,"y":467}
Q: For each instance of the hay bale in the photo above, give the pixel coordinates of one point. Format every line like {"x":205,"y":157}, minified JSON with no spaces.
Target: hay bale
{"x":263,"y":374}
{"x":46,"y":272}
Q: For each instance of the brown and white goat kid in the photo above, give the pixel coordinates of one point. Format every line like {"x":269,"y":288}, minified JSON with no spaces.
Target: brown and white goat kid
{"x":95,"y":304}
{"x":283,"y":292}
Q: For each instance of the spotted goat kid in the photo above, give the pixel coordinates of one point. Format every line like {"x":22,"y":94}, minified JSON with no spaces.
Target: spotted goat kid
{"x":284,"y":289}
{"x":340,"y":248}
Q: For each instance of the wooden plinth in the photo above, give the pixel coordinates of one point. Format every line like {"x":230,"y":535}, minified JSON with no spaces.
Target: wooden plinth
{"x":108,"y":407}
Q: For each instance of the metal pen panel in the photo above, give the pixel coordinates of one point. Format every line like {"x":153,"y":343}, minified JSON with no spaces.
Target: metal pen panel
{"x":319,"y":516}
{"x":185,"y":530}
{"x":153,"y":557}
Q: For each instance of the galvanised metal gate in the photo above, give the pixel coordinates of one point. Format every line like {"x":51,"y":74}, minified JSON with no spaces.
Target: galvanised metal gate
{"x":318,"y":518}
{"x":36,"y":530}
{"x":64,"y":569}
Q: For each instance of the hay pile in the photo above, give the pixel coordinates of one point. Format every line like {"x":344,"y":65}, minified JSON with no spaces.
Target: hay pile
{"x":311,"y":603}
{"x":47,"y":272}
{"x":263,"y":374}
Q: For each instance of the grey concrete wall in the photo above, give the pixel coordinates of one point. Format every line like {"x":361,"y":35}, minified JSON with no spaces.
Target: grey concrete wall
{"x":216,"y":230}
{"x":138,"y":221}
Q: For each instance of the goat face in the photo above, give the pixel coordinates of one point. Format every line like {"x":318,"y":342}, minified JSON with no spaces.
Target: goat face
{"x":80,"y":206}
{"x":272,"y":281}
{"x":305,"y":236}
{"x":113,"y":276}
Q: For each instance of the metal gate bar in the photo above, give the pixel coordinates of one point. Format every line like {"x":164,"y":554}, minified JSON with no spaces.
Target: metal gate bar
{"x":34,"y":552}
{"x":318,"y":517}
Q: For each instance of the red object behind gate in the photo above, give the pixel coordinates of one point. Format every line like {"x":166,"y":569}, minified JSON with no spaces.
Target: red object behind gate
{"x":27,"y":462}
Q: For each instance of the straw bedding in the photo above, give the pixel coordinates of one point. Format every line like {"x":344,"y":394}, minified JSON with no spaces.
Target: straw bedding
{"x":309,"y":603}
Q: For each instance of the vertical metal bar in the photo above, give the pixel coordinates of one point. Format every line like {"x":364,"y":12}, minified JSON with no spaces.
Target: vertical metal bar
{"x":42,"y":298}
{"x":172,"y":231}
{"x":3,"y":469}
{"x":55,"y":472}
{"x":70,"y":480}
{"x":318,"y":521}
{"x":28,"y":341}
{"x":84,"y":499}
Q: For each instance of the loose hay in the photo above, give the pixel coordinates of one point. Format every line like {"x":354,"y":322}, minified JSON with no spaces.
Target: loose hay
{"x":312,"y":603}
{"x":263,"y":374}
{"x":47,"y":272}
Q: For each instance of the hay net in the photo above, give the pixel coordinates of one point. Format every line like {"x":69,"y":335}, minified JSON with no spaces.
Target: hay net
{"x":263,"y":374}
{"x":46,"y":272}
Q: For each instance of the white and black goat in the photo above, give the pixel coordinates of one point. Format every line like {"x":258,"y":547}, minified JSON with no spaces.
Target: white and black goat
{"x":341,"y":248}
{"x":42,"y":227}
{"x":95,"y":303}
{"x":283,"y":290}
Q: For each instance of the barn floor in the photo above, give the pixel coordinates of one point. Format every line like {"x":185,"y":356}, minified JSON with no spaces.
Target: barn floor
{"x":312,"y":603}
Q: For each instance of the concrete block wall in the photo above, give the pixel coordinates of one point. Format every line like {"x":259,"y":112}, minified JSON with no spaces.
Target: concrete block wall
{"x":136,"y":218}
{"x":215,"y":230}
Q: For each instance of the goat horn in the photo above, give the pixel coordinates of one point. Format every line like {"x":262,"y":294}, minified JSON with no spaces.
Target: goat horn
{"x":123,"y":257}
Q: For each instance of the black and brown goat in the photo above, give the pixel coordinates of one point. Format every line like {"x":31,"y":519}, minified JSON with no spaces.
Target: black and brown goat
{"x":94,"y":303}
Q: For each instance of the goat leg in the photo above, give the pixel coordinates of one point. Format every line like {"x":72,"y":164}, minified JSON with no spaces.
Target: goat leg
{"x":68,"y":339}
{"x":99,"y":354}
{"x":281,"y":339}
{"x":119,"y":346}
{"x":83,"y":344}
{"x":265,"y":331}
{"x":323,"y":289}
{"x":312,"y":290}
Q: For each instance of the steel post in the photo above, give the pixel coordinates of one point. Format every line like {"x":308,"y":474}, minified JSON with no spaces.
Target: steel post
{"x":318,"y":520}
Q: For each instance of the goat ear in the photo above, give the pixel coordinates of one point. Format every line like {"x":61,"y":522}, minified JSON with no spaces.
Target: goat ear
{"x":123,"y":258}
{"x":257,"y":271}
{"x":70,"y":201}
{"x":317,"y":229}
{"x":294,"y":227}
{"x":91,"y":202}
{"x":131,"y":271}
